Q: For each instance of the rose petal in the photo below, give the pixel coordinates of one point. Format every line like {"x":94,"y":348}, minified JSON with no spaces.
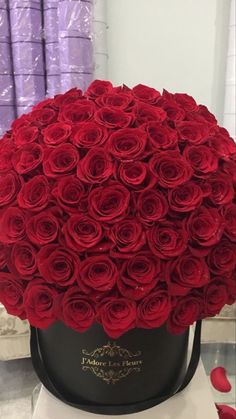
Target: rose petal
{"x":219,"y":380}
{"x":226,"y":412}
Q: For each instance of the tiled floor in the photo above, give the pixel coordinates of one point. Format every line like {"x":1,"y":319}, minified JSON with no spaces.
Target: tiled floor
{"x":17,"y":381}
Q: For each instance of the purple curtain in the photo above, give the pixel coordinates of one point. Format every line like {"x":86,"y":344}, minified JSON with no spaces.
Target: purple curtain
{"x":75,"y":43}
{"x":51,"y":47}
{"x":46,"y":48}
{"x":7,"y":108}
{"x":27,"y":52}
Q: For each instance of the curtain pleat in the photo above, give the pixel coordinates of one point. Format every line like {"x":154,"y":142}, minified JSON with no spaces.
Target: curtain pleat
{"x":100,"y":39}
{"x":7,"y":105}
{"x":27,"y":52}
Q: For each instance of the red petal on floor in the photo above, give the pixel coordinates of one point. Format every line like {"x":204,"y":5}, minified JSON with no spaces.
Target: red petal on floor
{"x":226,"y":412}
{"x":219,"y":380}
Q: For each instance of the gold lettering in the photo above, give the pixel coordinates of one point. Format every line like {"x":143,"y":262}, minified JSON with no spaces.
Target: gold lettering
{"x":111,"y":363}
{"x":114,"y":364}
{"x":128,"y":363}
{"x":93,"y":362}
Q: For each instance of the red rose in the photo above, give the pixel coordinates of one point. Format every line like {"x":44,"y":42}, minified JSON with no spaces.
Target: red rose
{"x":187,"y":310}
{"x":56,"y":133}
{"x":139,"y":275}
{"x":109,"y":203}
{"x":78,"y":312}
{"x":71,"y":96}
{"x":97,"y":274}
{"x":215,"y":297}
{"x":186,"y":102}
{"x":204,"y":185}
{"x":46,"y":103}
{"x":161,"y":137}
{"x":145,"y":113}
{"x":12,"y":225}
{"x":82,"y":232}
{"x":115,"y":100}
{"x":230,"y":281}
{"x":206,"y":114}
{"x":42,"y":228}
{"x":118,"y":315}
{"x":133,"y":174}
{"x":60,"y":160}
{"x":222,"y":145}
{"x":222,"y":190}
{"x":7,"y":149}
{"x":170,"y":168}
{"x":145,"y":93}
{"x":167,"y":239}
{"x":202,"y":159}
{"x":151,"y":206}
{"x":95,"y":167}
{"x":153,"y":310}
{"x":69,"y":193}
{"x":196,"y":117}
{"x":113,"y":118}
{"x":98,"y":88}
{"x":79,"y":111}
{"x":39,"y":303}
{"x":127,"y":236}
{"x":88,"y":135}
{"x":174,"y":112}
{"x":10,"y":184}
{"x":11,"y":295}
{"x":3,"y":256}
{"x":222,"y":258}
{"x":26,"y":135}
{"x":27,"y":158}
{"x":187,"y":272}
{"x":127,"y":144}
{"x":122,"y":89}
{"x":185,"y":198}
{"x":223,"y":131}
{"x":193,"y":132}
{"x":205,"y":226}
{"x":229,"y":213}
{"x":142,"y":267}
{"x":229,"y":167}
{"x":22,"y":121}
{"x":57,"y":265}
{"x":34,"y":194}
{"x":136,"y":175}
{"x":44,"y":116}
{"x":23,"y":259}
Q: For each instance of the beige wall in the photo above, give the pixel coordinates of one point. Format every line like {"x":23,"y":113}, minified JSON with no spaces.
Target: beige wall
{"x":176,"y":44}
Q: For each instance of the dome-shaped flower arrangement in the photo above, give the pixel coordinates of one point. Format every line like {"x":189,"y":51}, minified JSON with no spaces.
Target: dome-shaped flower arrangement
{"x":117,"y":206}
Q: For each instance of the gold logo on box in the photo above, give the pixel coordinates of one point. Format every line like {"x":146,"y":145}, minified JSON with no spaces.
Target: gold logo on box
{"x":111,"y":363}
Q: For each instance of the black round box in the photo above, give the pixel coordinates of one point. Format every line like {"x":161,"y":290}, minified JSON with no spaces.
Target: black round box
{"x":92,"y":369}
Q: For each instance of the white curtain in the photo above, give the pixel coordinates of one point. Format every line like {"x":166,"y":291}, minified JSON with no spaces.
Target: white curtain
{"x":230,"y":82}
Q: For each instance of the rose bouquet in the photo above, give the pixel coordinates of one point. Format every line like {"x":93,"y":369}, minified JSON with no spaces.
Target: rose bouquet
{"x":117,"y":206}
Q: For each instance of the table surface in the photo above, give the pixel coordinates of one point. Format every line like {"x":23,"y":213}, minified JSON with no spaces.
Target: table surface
{"x":195,"y":402}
